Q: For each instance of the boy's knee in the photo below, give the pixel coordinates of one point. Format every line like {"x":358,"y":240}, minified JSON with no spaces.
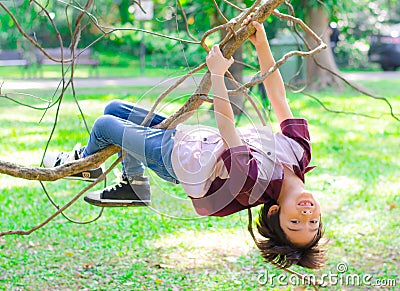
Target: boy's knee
{"x":102,"y":122}
{"x":112,"y":107}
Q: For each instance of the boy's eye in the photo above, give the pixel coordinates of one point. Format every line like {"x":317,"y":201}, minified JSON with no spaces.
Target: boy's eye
{"x":295,"y":221}
{"x":314,"y":221}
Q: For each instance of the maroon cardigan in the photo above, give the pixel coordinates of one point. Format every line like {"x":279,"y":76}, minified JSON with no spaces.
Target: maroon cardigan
{"x":227,"y":196}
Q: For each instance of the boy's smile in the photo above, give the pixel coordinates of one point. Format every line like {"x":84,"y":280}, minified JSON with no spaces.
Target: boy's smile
{"x":300,"y":218}
{"x":299,"y":215}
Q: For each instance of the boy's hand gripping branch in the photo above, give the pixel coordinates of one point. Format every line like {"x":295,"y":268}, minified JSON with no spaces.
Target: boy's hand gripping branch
{"x":217,"y":63}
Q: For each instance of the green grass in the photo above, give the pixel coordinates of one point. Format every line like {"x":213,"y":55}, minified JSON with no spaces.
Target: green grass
{"x":54,"y":72}
{"x":168,"y":248}
{"x":112,"y":66}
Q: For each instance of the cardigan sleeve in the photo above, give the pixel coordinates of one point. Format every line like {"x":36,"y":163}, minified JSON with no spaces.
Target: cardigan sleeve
{"x":243,"y":172}
{"x":297,"y":129}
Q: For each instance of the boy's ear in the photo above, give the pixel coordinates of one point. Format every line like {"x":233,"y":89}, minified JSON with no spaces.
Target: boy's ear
{"x":273,"y":209}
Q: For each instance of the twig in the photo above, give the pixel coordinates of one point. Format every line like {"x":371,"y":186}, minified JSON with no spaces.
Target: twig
{"x":139,"y":4}
{"x":259,"y":79}
{"x":229,"y":48}
{"x":110,"y":30}
{"x":73,"y":200}
{"x":248,"y":97}
{"x":321,"y":45}
{"x":237,"y":21}
{"x":31,"y":40}
{"x":219,"y":11}
{"x":186,"y":21}
{"x":233,"y":5}
{"x":66,"y":216}
{"x":169,"y":90}
{"x":212,"y":31}
{"x":336,"y":74}
{"x":6,"y":96}
{"x":78,"y":29}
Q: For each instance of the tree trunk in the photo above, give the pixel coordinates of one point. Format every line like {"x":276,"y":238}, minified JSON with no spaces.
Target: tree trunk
{"x":318,"y":77}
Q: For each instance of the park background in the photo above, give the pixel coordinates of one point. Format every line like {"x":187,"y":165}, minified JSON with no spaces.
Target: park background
{"x":355,"y":146}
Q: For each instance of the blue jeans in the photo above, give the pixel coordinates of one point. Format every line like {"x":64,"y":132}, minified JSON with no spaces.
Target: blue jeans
{"x":144,"y":146}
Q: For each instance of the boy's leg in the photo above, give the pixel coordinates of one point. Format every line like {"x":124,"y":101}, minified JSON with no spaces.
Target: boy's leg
{"x":143,"y":146}
{"x":109,"y":130}
{"x":133,"y":189}
{"x":123,"y":110}
{"x":129,"y":111}
{"x":123,"y":131}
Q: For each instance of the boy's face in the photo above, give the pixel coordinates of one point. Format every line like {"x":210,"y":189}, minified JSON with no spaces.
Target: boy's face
{"x":300,"y":218}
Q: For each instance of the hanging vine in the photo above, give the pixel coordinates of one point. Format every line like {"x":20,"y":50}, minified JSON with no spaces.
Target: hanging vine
{"x":234,"y":39}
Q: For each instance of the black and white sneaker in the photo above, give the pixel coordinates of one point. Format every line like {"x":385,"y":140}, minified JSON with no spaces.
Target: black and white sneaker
{"x":132,"y":191}
{"x":57,"y":159}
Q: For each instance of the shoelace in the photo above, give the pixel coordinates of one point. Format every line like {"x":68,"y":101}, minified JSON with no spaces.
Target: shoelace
{"x":62,"y":158}
{"x":114,"y":187}
{"x":79,"y":152}
{"x":76,"y":154}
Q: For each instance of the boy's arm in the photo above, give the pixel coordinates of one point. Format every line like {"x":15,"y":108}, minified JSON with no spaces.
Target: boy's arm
{"x":218,"y":65}
{"x":273,"y":83}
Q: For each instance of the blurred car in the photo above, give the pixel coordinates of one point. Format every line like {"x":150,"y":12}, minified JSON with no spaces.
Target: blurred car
{"x":385,"y":49}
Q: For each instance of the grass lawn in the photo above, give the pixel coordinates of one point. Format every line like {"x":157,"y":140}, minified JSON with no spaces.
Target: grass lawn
{"x":110,"y":67}
{"x":54,"y":72}
{"x":167,"y":247}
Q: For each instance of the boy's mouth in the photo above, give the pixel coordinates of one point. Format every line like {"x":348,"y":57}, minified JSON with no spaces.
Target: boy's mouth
{"x":305,"y":203}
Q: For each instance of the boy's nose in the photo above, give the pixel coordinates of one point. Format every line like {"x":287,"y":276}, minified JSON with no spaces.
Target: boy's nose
{"x":306,"y":211}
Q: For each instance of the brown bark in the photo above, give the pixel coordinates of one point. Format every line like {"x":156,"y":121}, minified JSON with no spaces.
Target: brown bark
{"x":236,"y":70}
{"x":52,"y":174}
{"x":194,"y":102}
{"x":242,"y":34}
{"x":317,"y":77}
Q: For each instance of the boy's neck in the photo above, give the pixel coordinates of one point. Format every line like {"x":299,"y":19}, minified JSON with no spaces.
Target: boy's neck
{"x":292,"y":185}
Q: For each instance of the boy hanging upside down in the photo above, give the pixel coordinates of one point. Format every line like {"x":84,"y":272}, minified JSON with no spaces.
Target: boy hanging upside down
{"x":223,"y":170}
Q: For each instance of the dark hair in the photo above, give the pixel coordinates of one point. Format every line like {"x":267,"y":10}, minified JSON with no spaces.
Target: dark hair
{"x":278,"y":250}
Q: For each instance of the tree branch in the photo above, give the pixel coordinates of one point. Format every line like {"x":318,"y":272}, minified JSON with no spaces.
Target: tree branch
{"x":308,"y":31}
{"x":62,"y":209}
{"x":52,"y":174}
{"x":228,"y":49}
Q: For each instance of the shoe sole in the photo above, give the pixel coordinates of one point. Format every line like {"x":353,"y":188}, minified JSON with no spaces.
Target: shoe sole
{"x":117,"y":203}
{"x":80,"y":179}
